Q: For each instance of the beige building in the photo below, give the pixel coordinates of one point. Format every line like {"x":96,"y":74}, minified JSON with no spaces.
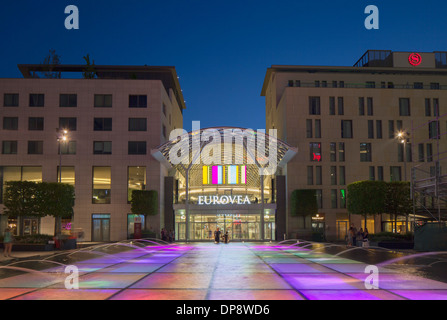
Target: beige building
{"x":345,"y":122}
{"x":112,"y":123}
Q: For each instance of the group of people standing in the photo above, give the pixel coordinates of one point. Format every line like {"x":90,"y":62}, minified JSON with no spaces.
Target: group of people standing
{"x":167,"y":236}
{"x":357,"y":236}
{"x":218,"y":235}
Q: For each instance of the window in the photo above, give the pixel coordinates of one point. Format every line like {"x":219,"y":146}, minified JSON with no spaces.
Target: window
{"x":163,"y":130}
{"x":395,"y":173}
{"x":379,"y":129}
{"x":365,"y":152}
{"x":421,"y":152}
{"x":297,"y":83}
{"x":404,"y":107}
{"x":341,"y":152}
{"x":36,"y":100}
{"x":436,"y":107}
{"x":334,"y":198}
{"x":102,"y":124}
{"x":35,"y":147}
{"x":19,"y":174}
{"x":317,"y":129}
{"x":315,"y":151}
{"x":309,"y":129}
{"x":319,"y":195}
{"x":67,"y":176}
{"x":137,"y":148}
{"x":290,"y":83}
{"x":10,"y":123}
{"x":370,"y":129}
{"x":342,"y":175}
{"x":318,"y":175}
{"x":380,"y":173}
{"x":102,"y":185}
{"x":324,"y":84}
{"x":361,"y":106}
{"x":341,"y":106}
{"x":164,"y":109}
{"x":429,"y":152}
{"x":370,"y":84}
{"x":346,"y":129}
{"x":332,"y":106}
{"x":35,"y":124}
{"x":372,"y":173}
{"x":103,"y":101}
{"x":419,"y":85}
{"x":433,"y":130}
{"x":427,"y":108}
{"x":68,"y":147}
{"x":334,"y":84}
{"x":137,"y":124}
{"x":69,"y":124}
{"x":370,"y":106}
{"x":391,"y":133}
{"x":136,"y":180}
{"x":9,"y":147}
{"x":137,"y":101}
{"x":314,"y":105}
{"x":333,"y":175}
{"x":333,"y":151}
{"x":68,"y":100}
{"x":342,"y":199}
{"x":399,"y":125}
{"x":11,"y":100}
{"x":310,"y":175}
{"x":434,"y":86}
{"x":342,"y":84}
{"x":102,"y":147}
{"x":317,"y":83}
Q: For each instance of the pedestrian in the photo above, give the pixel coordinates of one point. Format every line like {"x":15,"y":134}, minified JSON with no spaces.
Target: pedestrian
{"x":354,"y":235}
{"x":217,"y":236}
{"x":226,"y":236}
{"x":7,"y":242}
{"x":171,"y":236}
{"x":360,"y":236}
{"x":365,"y":238}
{"x":163,"y":234}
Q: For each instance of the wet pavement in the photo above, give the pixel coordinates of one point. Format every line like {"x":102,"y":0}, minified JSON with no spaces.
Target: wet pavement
{"x":235,"y":271}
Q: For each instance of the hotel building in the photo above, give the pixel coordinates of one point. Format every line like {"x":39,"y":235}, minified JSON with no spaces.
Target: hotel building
{"x":112,"y":123}
{"x":345,"y":122}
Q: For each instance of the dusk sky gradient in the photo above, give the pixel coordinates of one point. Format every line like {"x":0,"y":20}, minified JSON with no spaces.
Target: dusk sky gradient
{"x":221,"y":49}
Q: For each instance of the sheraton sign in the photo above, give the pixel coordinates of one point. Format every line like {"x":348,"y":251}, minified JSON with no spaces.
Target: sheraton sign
{"x":214,"y":200}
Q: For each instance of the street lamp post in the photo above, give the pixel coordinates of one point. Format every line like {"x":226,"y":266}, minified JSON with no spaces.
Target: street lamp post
{"x":403,"y":138}
{"x":62,"y":137}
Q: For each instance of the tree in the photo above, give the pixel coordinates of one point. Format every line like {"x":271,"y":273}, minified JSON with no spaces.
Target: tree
{"x":20,"y":199}
{"x":24,"y":198}
{"x":144,"y":202}
{"x":398,"y":200}
{"x":89,"y":71}
{"x":56,"y":200}
{"x":51,"y":60}
{"x":303,"y":202}
{"x":366,"y":198}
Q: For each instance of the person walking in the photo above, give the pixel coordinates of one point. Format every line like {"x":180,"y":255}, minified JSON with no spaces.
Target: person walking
{"x":217,"y":236}
{"x":226,"y":237}
{"x":7,"y":242}
{"x":354,"y":235}
{"x":365,"y":238}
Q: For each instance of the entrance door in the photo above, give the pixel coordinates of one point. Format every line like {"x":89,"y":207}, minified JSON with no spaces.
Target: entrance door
{"x":342,"y":230}
{"x":101,"y":228}
{"x":30,"y":226}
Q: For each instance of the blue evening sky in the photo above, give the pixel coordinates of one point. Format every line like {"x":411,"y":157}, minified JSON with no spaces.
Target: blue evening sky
{"x":221,"y":49}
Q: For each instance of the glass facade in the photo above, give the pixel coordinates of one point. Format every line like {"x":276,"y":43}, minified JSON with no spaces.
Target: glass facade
{"x":102,"y":181}
{"x":136,"y":180}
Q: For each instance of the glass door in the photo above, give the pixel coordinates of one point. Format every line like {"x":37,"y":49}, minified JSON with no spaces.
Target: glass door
{"x":101,"y":227}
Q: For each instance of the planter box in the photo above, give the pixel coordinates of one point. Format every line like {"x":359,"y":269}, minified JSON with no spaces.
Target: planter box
{"x":31,"y":247}
{"x":396,"y":245}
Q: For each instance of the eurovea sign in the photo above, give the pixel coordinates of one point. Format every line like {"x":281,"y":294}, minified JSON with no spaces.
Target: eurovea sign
{"x":215,"y":200}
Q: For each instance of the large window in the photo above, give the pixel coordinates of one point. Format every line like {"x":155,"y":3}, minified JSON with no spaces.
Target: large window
{"x":36,"y":100}
{"x":11,"y":100}
{"x":9,"y":147}
{"x":68,"y":100}
{"x":102,"y":147}
{"x":137,"y":101}
{"x":103,"y":101}
{"x":35,"y":147}
{"x":315,"y":151}
{"x":346,"y":129}
{"x":69,"y":124}
{"x":102,"y":185}
{"x":365,"y":152}
{"x":68,"y":147}
{"x":33,"y":174}
{"x":404,"y":107}
{"x":68,"y":175}
{"x":35,"y":124}
{"x":137,"y":124}
{"x":102,"y":124}
{"x":395,"y":173}
{"x":10,"y":123}
{"x":137,"y":148}
{"x":136,"y":180}
{"x":314,"y":105}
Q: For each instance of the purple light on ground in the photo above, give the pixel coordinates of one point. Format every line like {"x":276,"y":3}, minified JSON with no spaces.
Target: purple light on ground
{"x":404,"y":281}
{"x":348,"y":295}
{"x":422,"y":294}
{"x":322,"y":281}
{"x":300,"y":268}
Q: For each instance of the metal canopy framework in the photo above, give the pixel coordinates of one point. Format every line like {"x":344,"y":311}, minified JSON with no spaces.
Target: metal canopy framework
{"x":235,"y":146}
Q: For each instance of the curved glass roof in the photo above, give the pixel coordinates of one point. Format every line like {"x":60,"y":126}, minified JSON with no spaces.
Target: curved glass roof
{"x":225,"y":146}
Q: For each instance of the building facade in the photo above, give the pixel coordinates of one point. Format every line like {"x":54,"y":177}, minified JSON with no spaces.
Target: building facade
{"x":110,"y":124}
{"x":377,"y":120}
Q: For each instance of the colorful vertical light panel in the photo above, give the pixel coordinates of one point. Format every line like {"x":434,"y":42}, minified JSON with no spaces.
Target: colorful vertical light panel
{"x":220,"y":175}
